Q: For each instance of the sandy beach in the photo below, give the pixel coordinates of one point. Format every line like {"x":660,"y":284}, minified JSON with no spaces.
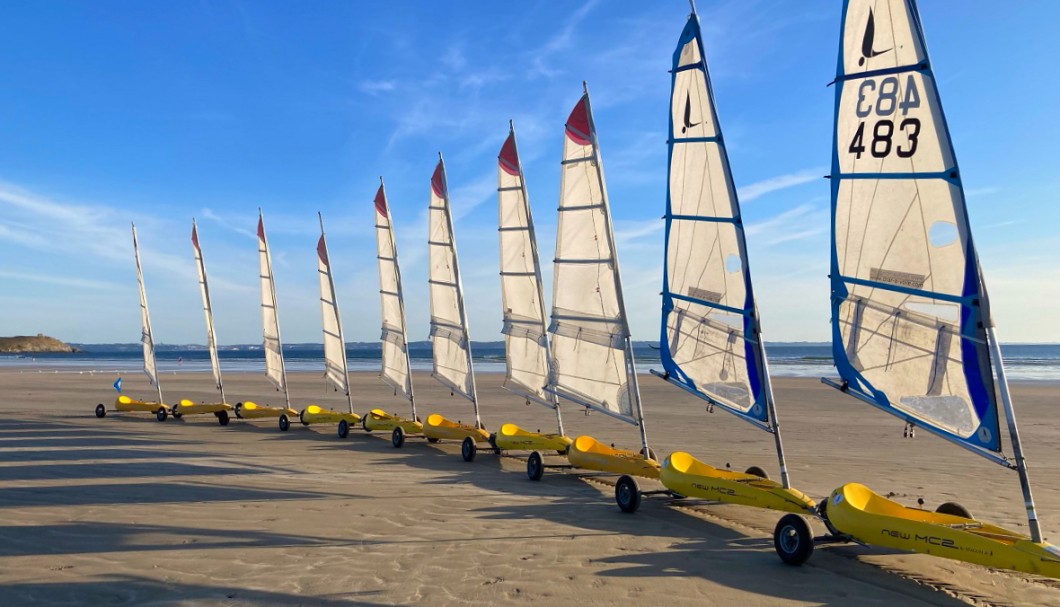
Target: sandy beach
{"x":128,"y":511}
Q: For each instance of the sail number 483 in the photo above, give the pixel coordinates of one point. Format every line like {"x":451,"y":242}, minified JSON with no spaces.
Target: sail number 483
{"x":881,"y":136}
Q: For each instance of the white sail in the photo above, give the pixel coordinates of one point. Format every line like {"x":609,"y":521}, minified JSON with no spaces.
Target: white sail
{"x":450,"y":342}
{"x":273,"y":345}
{"x":395,"y":370}
{"x":908,"y":307}
{"x":711,"y":344}
{"x":207,"y":309}
{"x":335,"y":369}
{"x":592,"y":362}
{"x":525,"y":337}
{"x":146,"y":337}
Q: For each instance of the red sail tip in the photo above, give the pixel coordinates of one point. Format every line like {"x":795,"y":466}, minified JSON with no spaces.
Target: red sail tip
{"x":438,"y":181}
{"x":578,"y":122}
{"x":508,"y":159}
{"x":322,"y":251}
{"x":261,"y":228}
{"x":194,"y":236}
{"x":380,"y":202}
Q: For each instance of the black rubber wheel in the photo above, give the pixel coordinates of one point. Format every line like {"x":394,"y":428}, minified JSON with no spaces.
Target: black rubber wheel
{"x":301,"y":418}
{"x":344,"y":428}
{"x":431,"y":439}
{"x":756,"y":471}
{"x":651,"y":453}
{"x":793,"y":540}
{"x":364,"y":423}
{"x":627,"y":494}
{"x":101,"y":411}
{"x":285,"y":423}
{"x":222,"y":417}
{"x":535,"y":467}
{"x":177,"y":414}
{"x":468,"y":449}
{"x":953,"y":508}
{"x":239,"y":408}
{"x":161,"y":414}
{"x":397,"y":437}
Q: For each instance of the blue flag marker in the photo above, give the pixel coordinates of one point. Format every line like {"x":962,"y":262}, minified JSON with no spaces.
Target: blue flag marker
{"x":117,"y":385}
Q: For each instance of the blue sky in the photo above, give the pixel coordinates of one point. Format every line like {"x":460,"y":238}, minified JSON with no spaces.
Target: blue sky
{"x":116,"y":111}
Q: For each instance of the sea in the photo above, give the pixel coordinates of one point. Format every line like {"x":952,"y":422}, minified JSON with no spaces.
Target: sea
{"x":1023,"y":362}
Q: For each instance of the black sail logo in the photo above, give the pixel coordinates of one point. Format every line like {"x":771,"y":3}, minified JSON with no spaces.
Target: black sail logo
{"x":867,"y":52}
{"x":688,"y":114}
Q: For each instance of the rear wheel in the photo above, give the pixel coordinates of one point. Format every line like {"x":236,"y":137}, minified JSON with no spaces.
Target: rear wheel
{"x":793,"y":540}
{"x":468,"y":449}
{"x":627,"y":494}
{"x":161,"y":414}
{"x":285,"y":423}
{"x":756,"y":471}
{"x":431,"y":439}
{"x":344,"y":428}
{"x":222,"y":417}
{"x":953,"y":508}
{"x":397,"y":437}
{"x":535,"y":467}
{"x":101,"y":411}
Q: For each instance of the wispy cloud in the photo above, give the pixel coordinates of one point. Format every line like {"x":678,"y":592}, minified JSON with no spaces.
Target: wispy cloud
{"x":758,"y":189}
{"x":803,"y":221}
{"x":562,"y":40}
{"x":53,"y":279}
{"x":376,"y":87}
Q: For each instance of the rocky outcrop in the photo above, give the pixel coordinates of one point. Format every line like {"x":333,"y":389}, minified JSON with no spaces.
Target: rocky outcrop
{"x":40,"y":343}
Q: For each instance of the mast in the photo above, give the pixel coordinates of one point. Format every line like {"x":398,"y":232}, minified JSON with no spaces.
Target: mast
{"x":270,"y":310}
{"x":325,"y":260}
{"x":610,"y":232}
{"x":207,"y":308}
{"x":147,"y":337}
{"x":400,"y":297}
{"x":535,"y":258}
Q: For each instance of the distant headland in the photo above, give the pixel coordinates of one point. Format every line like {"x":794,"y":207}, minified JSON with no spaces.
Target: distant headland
{"x":40,"y":343}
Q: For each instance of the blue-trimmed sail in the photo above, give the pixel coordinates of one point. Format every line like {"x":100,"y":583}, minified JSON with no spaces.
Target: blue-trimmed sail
{"x":709,"y":340}
{"x":908,"y":306}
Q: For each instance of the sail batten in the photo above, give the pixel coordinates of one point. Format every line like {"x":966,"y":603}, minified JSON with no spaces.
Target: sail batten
{"x":272,"y":343}
{"x":336,"y":370}
{"x":207,"y":309}
{"x":396,"y":369}
{"x":909,"y":310}
{"x":591,"y":354}
{"x":146,"y":335}
{"x":450,"y":341}
{"x":522,"y":296}
{"x":710,"y":343}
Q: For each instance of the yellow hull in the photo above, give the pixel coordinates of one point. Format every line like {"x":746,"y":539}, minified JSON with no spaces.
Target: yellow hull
{"x":124,"y":403}
{"x":251,"y":410}
{"x":438,"y":427}
{"x":591,"y":454}
{"x":319,"y":415}
{"x":378,"y":420}
{"x":512,"y":438}
{"x":856,"y":511}
{"x":187,"y":407}
{"x":685,"y":475}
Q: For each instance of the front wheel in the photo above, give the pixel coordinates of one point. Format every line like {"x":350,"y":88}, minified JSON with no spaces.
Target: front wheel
{"x":239,"y":409}
{"x":397,"y":437}
{"x":954,"y":509}
{"x":468,"y":449}
{"x":161,"y":414}
{"x":101,"y":411}
{"x":285,"y":423}
{"x":344,"y":428}
{"x":535,"y":467}
{"x":793,"y":540}
{"x":177,"y":414}
{"x":756,"y":471}
{"x":651,"y":454}
{"x":222,"y":417}
{"x":431,"y":439}
{"x":364,"y":423}
{"x":627,"y":494}
{"x":301,"y":418}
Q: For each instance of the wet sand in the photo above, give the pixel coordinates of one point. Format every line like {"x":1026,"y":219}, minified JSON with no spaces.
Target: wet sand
{"x":127,"y":511}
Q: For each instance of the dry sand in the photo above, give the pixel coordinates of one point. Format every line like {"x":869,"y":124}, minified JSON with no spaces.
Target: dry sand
{"x":128,"y":511}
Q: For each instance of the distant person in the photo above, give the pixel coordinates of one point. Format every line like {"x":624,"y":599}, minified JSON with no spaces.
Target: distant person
{"x":910,"y":430}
